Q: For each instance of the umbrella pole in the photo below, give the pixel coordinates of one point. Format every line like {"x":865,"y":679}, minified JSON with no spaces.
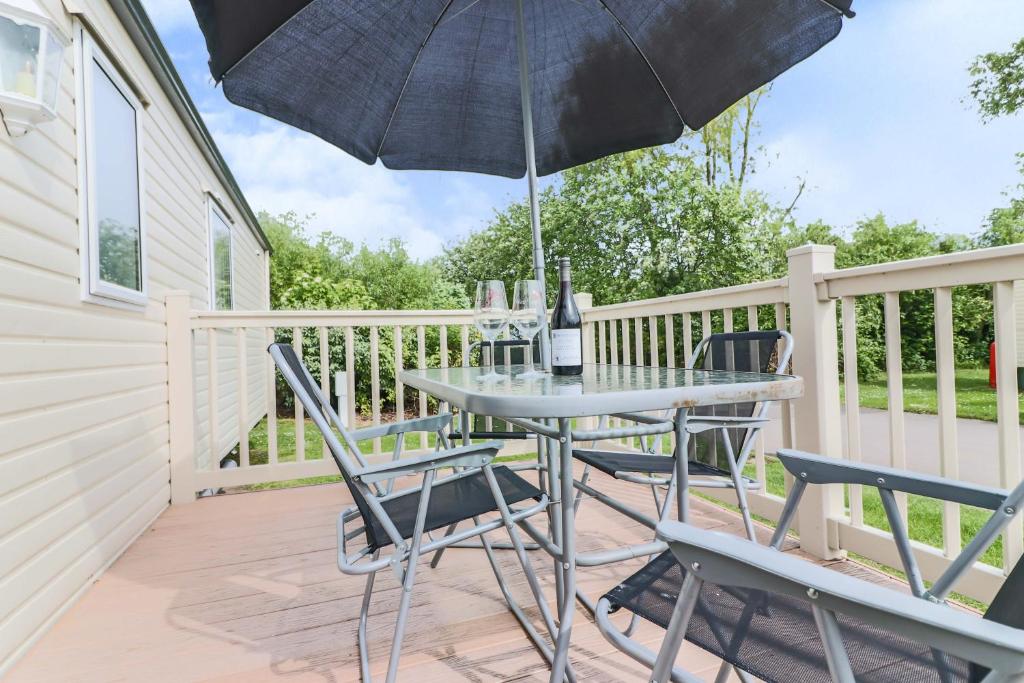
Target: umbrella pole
{"x":531,"y":172}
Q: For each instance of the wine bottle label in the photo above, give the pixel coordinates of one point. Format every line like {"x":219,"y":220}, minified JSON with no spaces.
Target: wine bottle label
{"x":566,"y":347}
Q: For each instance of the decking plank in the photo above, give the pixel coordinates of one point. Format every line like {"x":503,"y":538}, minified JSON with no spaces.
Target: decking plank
{"x":257,"y":597}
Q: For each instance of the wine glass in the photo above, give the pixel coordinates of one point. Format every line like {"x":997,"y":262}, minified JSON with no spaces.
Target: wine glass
{"x":490,"y":314}
{"x":529,"y":316}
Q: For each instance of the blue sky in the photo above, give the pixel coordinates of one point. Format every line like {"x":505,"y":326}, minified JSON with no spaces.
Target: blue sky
{"x":877,"y":121}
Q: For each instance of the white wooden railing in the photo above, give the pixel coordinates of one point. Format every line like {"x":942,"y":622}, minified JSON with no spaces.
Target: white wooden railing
{"x":646,"y":332}
{"x":203,"y":333}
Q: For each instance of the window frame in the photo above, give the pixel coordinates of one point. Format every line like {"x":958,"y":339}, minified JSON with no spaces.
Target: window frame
{"x":216,"y":208}
{"x":95,"y":290}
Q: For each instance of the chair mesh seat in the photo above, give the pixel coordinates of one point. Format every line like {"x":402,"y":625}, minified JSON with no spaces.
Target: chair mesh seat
{"x":611,"y":462}
{"x":781,"y":644}
{"x":450,"y":501}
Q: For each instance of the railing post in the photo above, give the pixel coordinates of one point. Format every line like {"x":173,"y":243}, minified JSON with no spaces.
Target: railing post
{"x":180,"y":397}
{"x":585,"y":301}
{"x":815,"y":358}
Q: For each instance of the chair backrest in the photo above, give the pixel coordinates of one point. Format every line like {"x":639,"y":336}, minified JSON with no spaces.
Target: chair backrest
{"x":319,"y":409}
{"x":754,"y":351}
{"x":764,"y":351}
{"x":506,"y":352}
{"x":1007,"y":608}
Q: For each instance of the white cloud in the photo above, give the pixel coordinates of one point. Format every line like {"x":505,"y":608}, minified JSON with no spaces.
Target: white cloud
{"x":467,"y":207}
{"x":281,"y":169}
{"x":169,"y":15}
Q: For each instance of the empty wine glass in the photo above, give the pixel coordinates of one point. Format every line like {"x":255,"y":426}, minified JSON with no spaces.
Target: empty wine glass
{"x":490,"y":314}
{"x":529,"y":316}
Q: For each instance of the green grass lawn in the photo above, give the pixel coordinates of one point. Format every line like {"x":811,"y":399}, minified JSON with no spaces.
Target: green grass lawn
{"x":974,"y":398}
{"x":259,"y":452}
{"x":924,"y":516}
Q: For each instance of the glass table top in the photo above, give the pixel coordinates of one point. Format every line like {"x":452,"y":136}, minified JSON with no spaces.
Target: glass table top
{"x":600,"y":390}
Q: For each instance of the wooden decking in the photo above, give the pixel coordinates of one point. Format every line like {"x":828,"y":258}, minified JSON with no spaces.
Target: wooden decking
{"x":245,"y":588}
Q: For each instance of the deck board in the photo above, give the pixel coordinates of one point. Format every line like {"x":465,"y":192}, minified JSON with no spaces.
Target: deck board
{"x":245,"y":588}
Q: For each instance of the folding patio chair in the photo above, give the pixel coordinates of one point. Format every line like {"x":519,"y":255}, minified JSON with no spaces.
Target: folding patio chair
{"x":724,"y":432}
{"x":784,"y":619}
{"x":395,"y":522}
{"x":781,"y":633}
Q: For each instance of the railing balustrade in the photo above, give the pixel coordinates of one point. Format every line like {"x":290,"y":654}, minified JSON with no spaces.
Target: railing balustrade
{"x":657,"y":332}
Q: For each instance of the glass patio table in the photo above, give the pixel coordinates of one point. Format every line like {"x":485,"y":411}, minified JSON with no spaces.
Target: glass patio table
{"x":548,"y":405}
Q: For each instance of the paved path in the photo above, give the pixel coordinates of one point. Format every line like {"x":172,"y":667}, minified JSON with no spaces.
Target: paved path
{"x":977,"y":442}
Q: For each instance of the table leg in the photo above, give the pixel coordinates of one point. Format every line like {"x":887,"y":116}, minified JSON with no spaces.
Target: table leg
{"x":567,"y":601}
{"x":682,"y":475}
{"x":555,"y":527}
{"x":466,"y":421}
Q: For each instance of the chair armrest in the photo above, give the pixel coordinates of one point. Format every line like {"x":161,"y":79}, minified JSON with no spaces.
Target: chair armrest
{"x":732,"y":561}
{"x":703,"y":423}
{"x":476,"y":455}
{"x":817,"y":469}
{"x":431,"y":423}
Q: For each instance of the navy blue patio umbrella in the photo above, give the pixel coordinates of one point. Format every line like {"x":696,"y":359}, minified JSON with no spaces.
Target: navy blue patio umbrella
{"x":504,"y":87}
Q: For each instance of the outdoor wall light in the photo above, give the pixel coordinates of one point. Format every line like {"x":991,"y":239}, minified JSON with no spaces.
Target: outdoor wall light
{"x":31,"y":55}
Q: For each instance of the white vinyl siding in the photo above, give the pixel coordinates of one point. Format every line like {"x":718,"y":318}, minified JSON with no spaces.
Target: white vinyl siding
{"x":111,"y":142}
{"x":84,"y":458}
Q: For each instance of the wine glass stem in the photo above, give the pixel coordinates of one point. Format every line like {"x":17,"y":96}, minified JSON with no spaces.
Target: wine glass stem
{"x":529,"y":356}
{"x":494,"y":360}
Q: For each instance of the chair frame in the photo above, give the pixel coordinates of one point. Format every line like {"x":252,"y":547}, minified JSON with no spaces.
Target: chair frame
{"x":375,"y":483}
{"x":808,"y":468}
{"x":695,"y":425}
{"x":731,"y":561}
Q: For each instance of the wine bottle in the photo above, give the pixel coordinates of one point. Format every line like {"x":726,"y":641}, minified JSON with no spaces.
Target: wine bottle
{"x":566,"y":324}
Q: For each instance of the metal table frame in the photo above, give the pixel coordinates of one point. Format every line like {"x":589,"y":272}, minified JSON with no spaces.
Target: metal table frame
{"x":548,"y":411}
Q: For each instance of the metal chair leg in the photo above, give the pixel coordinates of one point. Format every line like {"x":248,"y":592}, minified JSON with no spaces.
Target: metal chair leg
{"x":436,"y":560}
{"x":517,"y":543}
{"x":410,"y":577}
{"x":682,"y":465}
{"x":584,"y":478}
{"x":517,"y":611}
{"x":364,"y":611}
{"x":676,"y":628}
{"x":740,"y":487}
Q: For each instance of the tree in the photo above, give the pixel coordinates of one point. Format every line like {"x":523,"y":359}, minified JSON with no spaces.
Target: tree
{"x":998,"y":85}
{"x":875,"y":240}
{"x":298,"y":259}
{"x":325,"y":272}
{"x":1004,"y":225}
{"x":724,"y":144}
{"x":998,"y":88}
{"x":635,"y":225}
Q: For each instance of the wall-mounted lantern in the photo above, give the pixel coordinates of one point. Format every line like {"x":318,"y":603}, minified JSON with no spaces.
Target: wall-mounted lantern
{"x":31,"y":55}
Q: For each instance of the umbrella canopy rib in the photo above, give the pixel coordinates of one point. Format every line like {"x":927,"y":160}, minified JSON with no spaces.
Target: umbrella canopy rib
{"x":412,"y":67}
{"x":643,"y":56}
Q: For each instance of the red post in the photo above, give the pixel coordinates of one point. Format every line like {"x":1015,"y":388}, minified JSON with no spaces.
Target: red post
{"x":992,"y":365}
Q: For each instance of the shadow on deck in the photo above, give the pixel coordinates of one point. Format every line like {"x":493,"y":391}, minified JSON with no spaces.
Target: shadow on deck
{"x":245,"y":588}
